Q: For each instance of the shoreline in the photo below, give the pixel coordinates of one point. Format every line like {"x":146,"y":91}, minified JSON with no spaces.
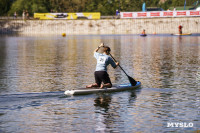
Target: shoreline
{"x":101,"y":26}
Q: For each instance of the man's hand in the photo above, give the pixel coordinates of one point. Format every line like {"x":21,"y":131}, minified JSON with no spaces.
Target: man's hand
{"x":117,"y":63}
{"x":101,"y":45}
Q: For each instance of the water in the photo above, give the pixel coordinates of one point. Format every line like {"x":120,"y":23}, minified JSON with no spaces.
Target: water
{"x":36,"y":70}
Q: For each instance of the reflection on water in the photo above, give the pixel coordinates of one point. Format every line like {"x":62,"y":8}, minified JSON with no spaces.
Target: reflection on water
{"x":167,"y":66}
{"x":39,"y":64}
{"x":47,"y":64}
{"x":111,"y":112}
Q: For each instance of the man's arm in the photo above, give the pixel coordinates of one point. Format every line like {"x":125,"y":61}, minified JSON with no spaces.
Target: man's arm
{"x":117,"y":64}
{"x":96,"y":50}
{"x":113,"y":63}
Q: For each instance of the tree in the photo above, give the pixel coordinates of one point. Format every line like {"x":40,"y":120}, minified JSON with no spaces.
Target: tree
{"x":106,"y":7}
{"x":31,"y":6}
{"x":181,"y":2}
{"x":4,"y":6}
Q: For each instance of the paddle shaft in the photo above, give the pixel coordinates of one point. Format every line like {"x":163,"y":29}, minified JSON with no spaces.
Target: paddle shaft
{"x":119,"y":65}
{"x":131,"y":80}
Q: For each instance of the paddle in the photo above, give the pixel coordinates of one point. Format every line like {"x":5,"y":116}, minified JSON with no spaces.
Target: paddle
{"x":131,"y":80}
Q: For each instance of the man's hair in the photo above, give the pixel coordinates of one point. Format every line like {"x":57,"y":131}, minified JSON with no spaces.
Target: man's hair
{"x":106,"y":49}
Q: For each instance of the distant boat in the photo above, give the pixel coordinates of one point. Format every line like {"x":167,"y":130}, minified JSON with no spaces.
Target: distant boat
{"x":185,"y":34}
{"x":143,"y":35}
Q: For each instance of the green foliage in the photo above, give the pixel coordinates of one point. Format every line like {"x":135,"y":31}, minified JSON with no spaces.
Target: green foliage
{"x":4,"y":6}
{"x":106,"y":7}
{"x":31,"y":6}
{"x":181,"y":2}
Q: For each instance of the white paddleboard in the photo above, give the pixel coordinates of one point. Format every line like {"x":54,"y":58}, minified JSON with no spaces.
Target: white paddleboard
{"x":83,"y":91}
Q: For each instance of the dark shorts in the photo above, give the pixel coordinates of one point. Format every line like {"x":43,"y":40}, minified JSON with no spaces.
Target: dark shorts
{"x":101,"y":76}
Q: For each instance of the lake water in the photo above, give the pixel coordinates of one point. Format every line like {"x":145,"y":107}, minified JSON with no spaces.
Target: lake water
{"x":36,"y":70}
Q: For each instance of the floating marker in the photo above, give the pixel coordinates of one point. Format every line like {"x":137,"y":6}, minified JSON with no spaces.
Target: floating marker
{"x":63,"y":34}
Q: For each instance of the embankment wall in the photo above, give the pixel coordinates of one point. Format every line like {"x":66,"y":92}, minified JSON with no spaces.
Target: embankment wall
{"x":102,"y":26}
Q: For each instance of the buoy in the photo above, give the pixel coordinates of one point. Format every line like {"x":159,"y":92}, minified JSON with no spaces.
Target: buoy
{"x":154,"y":33}
{"x":63,"y":34}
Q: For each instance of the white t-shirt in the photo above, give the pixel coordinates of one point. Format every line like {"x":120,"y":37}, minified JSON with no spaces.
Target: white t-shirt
{"x":103,"y":61}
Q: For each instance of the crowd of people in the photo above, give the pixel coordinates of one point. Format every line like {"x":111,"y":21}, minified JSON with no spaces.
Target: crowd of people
{"x":25,"y":15}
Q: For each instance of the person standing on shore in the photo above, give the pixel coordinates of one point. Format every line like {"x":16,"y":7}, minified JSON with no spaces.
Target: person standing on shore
{"x":27,"y":14}
{"x":23,"y":15}
{"x":117,"y":14}
{"x":174,"y":9}
{"x":15,"y":15}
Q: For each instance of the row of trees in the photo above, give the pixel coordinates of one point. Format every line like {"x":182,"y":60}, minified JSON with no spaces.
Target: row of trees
{"x":106,"y":7}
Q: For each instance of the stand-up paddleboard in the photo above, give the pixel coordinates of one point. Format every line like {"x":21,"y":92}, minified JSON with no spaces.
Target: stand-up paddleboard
{"x":84,"y":91}
{"x":185,"y":34}
{"x":143,"y":35}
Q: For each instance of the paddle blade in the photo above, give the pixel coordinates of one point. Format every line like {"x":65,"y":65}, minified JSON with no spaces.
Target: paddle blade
{"x":132,"y":81}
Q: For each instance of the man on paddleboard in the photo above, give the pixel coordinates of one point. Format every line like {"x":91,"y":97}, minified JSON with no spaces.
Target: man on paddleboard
{"x":103,"y":60}
{"x":143,"y":32}
{"x":180,"y":29}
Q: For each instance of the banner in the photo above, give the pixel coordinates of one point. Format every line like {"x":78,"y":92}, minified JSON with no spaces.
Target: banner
{"x":86,"y":15}
{"x":185,"y":13}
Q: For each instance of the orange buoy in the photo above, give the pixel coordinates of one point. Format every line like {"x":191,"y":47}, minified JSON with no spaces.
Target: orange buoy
{"x":63,"y":34}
